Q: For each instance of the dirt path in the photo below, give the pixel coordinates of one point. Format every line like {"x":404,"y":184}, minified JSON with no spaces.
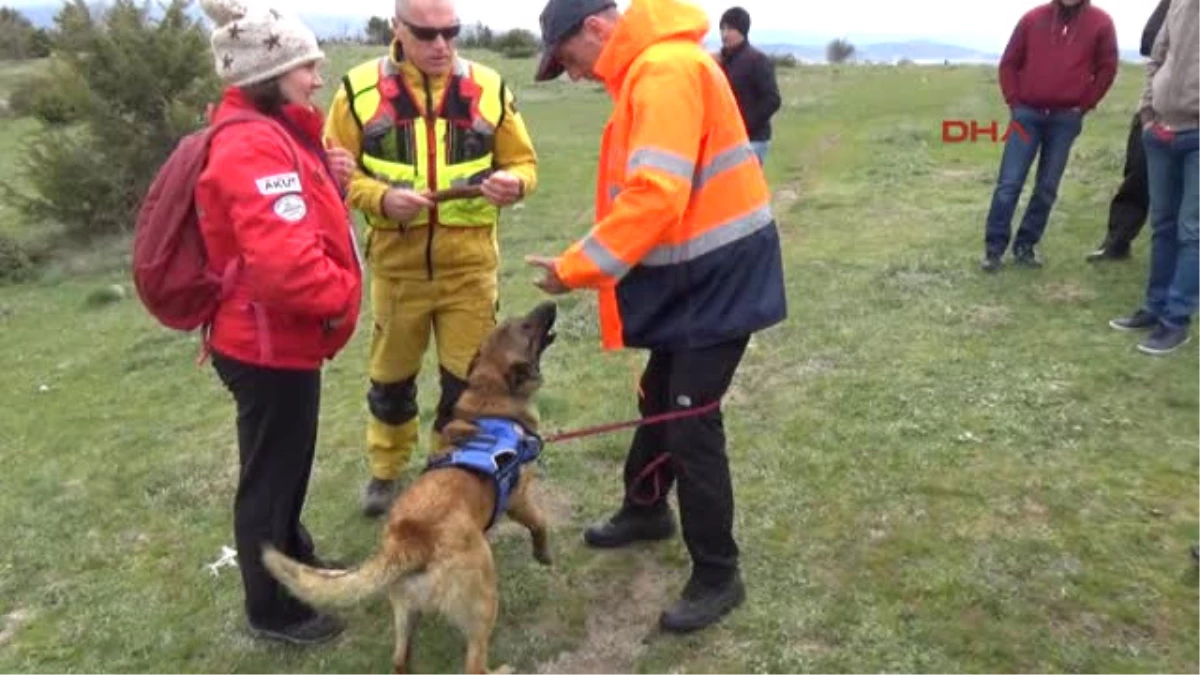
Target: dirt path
{"x":623,"y":614}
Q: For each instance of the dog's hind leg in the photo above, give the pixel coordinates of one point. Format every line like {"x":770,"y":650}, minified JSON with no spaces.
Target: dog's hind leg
{"x":406,"y":620}
{"x":523,"y":510}
{"x":473,"y":605}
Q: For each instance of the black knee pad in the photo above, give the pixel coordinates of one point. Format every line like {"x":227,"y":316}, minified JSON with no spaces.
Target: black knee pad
{"x":393,"y":403}
{"x":452,"y":388}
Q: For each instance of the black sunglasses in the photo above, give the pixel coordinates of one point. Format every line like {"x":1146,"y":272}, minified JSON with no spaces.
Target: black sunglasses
{"x":427,"y":34}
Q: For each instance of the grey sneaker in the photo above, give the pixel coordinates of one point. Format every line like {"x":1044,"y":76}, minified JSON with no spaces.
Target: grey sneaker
{"x":991,"y":263}
{"x":377,"y":496}
{"x":1164,"y":340}
{"x":1139,"y":320}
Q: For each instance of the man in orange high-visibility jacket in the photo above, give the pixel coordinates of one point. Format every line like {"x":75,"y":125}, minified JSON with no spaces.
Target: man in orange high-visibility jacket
{"x":686,"y":258}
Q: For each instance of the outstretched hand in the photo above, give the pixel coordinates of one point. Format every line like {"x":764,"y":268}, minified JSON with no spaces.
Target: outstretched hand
{"x":550,"y":282}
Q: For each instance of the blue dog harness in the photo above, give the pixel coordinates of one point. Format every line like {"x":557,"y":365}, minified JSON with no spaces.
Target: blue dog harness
{"x":497,"y":451}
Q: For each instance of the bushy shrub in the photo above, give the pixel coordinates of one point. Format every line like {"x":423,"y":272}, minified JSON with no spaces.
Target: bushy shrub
{"x":57,"y":97}
{"x":19,"y":39}
{"x":16,"y":265}
{"x":140,"y":84}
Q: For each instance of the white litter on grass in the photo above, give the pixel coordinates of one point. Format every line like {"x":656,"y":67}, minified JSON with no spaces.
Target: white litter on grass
{"x":228,"y":559}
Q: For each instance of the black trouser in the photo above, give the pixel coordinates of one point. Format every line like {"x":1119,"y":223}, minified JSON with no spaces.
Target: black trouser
{"x":1127,"y":212}
{"x":277,"y":412}
{"x":690,"y":451}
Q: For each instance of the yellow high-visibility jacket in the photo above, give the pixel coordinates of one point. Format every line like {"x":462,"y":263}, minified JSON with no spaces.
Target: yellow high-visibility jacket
{"x":381,"y":113}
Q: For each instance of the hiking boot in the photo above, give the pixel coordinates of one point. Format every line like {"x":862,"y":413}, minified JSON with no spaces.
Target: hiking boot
{"x":1164,"y":340}
{"x":320,"y":628}
{"x":377,"y":496}
{"x":991,"y":263}
{"x":702,"y":605}
{"x":628,"y":526}
{"x":1139,"y":320}
{"x":1025,"y":256}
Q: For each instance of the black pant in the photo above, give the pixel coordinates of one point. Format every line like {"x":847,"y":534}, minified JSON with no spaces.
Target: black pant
{"x":277,"y":413}
{"x":1127,"y":212}
{"x":690,"y":451}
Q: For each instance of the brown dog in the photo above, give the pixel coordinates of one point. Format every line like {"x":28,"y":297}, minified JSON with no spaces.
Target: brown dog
{"x":435,"y":554}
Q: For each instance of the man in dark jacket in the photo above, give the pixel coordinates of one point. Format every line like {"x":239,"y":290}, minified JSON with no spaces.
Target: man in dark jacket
{"x":752,"y":78}
{"x":1060,"y":62}
{"x":1127,"y":212}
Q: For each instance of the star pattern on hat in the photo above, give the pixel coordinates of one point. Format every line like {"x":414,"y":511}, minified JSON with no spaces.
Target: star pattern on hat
{"x":271,"y":42}
{"x":234,"y":32}
{"x":227,"y":62}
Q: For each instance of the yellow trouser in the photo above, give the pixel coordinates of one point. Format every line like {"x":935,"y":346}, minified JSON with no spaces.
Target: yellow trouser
{"x":460,"y":309}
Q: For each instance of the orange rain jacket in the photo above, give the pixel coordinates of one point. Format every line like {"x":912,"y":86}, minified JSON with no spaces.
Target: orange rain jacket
{"x":685,"y":252}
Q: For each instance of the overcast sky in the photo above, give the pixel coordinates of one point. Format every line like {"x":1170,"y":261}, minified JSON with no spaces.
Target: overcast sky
{"x":983,"y":24}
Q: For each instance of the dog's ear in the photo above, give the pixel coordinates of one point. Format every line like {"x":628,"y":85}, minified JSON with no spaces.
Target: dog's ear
{"x":521,"y":373}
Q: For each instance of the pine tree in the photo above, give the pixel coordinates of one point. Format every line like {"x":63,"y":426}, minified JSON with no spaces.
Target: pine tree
{"x":141,"y":84}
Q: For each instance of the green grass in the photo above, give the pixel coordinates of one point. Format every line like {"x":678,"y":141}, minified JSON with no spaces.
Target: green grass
{"x":935,"y":470}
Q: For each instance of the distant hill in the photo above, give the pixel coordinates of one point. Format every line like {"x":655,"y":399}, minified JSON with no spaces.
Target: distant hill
{"x":805,"y":47}
{"x":917,"y":51}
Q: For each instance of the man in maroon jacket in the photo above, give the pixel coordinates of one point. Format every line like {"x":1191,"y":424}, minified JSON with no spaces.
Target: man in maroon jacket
{"x":1059,"y":63}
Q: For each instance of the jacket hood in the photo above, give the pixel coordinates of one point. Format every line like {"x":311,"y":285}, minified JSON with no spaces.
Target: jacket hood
{"x":645,"y":23}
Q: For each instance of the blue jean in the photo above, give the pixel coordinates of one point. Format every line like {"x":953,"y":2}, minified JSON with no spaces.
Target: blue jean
{"x":1174,"y":214}
{"x":760,"y":150}
{"x":1051,"y":132}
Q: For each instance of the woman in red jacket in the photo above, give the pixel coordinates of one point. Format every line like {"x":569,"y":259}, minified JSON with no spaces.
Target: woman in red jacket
{"x":270,"y":202}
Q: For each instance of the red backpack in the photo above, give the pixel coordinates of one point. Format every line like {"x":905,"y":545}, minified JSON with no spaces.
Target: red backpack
{"x":170,"y":262}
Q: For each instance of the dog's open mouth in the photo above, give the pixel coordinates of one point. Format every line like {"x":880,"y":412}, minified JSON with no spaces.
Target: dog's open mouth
{"x":544,"y":316}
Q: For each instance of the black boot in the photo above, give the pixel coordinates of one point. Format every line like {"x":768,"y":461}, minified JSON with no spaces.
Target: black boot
{"x":318,"y":629}
{"x":377,"y":496}
{"x":702,"y":605}
{"x":629,"y":525}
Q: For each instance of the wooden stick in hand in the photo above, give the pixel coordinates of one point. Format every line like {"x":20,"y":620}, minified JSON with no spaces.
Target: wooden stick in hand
{"x":460,"y":192}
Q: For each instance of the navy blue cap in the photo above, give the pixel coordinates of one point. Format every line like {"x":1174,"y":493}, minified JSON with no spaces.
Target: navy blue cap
{"x":560,"y":19}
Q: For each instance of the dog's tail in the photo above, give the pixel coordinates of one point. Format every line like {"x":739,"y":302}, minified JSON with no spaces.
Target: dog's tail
{"x":331,"y":588}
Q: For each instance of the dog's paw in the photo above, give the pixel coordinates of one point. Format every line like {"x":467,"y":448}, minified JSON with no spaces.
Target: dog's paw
{"x":502,"y":670}
{"x":541,"y":550}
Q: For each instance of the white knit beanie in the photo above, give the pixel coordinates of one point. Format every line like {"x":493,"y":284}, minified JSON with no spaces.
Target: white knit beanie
{"x":253,"y":43}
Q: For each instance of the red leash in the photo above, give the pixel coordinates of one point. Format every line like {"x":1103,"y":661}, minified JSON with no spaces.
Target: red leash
{"x":651,"y":469}
{"x":653,"y":419}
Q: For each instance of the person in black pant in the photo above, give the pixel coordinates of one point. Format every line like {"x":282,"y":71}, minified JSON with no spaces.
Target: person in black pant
{"x":686,"y":269}
{"x":1130,"y":205}
{"x":675,"y":380}
{"x":274,"y":220}
{"x":277,"y":412}
{"x":751,"y":75}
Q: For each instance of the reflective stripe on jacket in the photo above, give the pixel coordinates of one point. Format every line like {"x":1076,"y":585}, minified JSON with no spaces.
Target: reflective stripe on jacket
{"x":685,"y":251}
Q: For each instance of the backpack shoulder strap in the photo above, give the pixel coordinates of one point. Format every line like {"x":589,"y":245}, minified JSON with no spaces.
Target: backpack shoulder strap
{"x":239,"y":118}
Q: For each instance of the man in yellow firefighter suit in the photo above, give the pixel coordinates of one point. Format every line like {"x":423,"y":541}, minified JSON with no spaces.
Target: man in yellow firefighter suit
{"x":423,"y":119}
